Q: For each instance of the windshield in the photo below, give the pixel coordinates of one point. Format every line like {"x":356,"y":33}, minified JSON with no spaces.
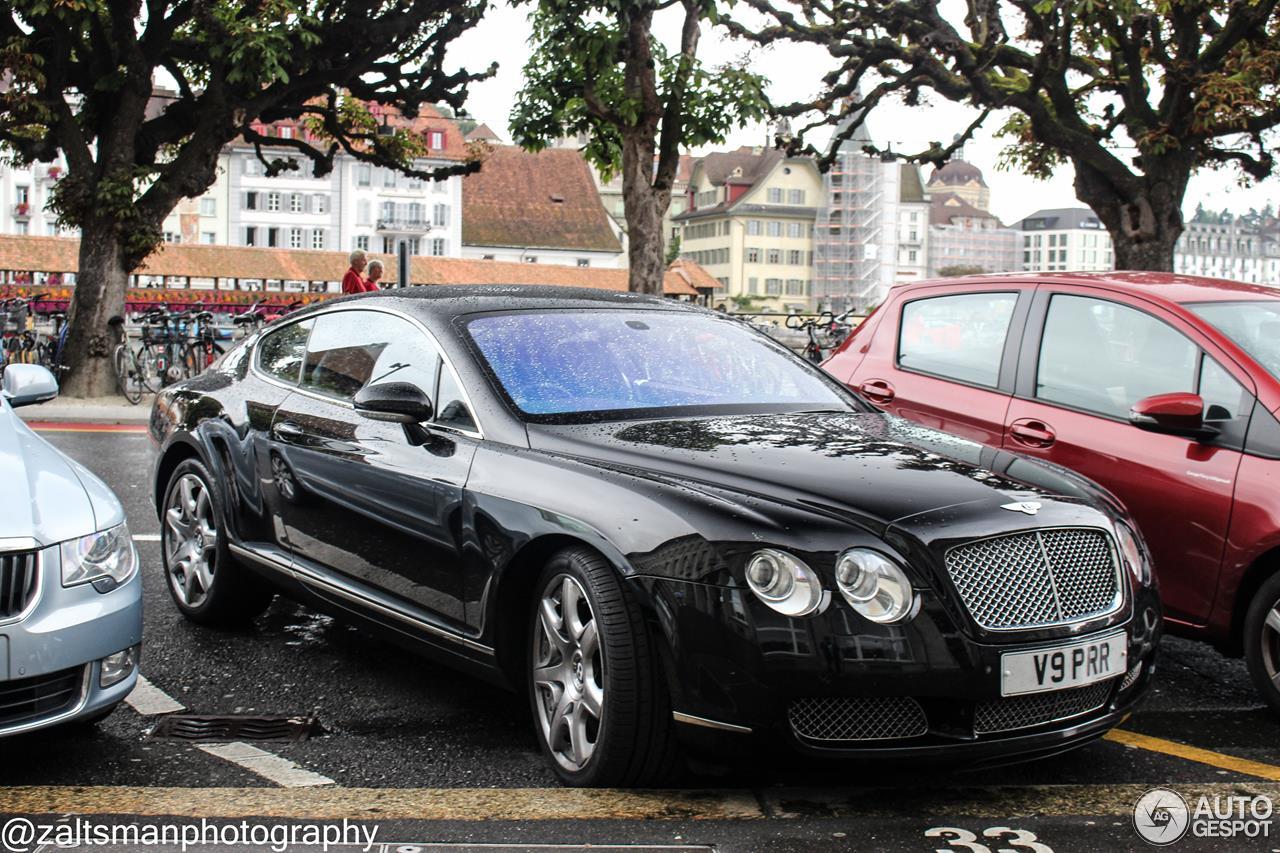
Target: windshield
{"x":1254,"y":326}
{"x":554,"y":364}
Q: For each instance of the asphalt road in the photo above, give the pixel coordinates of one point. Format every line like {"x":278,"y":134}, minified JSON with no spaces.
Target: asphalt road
{"x":414,"y":749}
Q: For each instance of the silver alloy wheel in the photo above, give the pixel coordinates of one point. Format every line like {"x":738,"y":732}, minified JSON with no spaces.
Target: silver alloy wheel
{"x":1271,"y":644}
{"x":568,"y":673}
{"x":190,"y":540}
{"x":282,"y":476}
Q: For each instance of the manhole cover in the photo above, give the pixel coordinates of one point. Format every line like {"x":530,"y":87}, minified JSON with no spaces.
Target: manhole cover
{"x":212,"y":728}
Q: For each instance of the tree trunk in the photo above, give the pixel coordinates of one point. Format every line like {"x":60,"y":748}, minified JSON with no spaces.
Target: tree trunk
{"x":1144,"y":219}
{"x":97,"y":297}
{"x":645,"y":251}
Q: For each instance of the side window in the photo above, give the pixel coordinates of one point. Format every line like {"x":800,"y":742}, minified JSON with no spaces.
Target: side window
{"x":451,"y":406}
{"x":280,"y":353}
{"x":351,"y":349}
{"x":1224,"y":398}
{"x":1103,"y":356}
{"x":960,"y":337}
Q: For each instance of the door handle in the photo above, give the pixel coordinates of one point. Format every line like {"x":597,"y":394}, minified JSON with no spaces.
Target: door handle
{"x":1032,"y":433}
{"x":876,"y":390}
{"x":287,"y":431}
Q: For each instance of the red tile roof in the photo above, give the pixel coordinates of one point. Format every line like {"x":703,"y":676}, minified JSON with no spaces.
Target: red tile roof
{"x":543,"y":200}
{"x":61,"y":255}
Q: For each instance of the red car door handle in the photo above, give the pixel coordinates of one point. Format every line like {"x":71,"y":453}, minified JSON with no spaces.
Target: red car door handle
{"x":876,"y":390}
{"x":1032,"y":433}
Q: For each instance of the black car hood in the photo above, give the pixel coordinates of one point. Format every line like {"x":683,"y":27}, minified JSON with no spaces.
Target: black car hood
{"x":877,"y":467}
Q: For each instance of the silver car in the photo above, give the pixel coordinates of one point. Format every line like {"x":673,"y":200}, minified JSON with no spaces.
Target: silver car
{"x":70,"y":592}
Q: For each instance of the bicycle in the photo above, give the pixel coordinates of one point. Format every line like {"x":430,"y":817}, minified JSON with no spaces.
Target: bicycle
{"x":813,"y":351}
{"x":125,"y":361}
{"x":202,"y":347}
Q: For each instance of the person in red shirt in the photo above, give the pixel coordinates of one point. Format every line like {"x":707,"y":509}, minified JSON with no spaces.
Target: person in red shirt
{"x":353,"y":281}
{"x":374,"y":281}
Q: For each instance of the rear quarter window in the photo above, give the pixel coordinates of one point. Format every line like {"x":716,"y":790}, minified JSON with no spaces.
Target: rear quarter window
{"x":960,"y":336}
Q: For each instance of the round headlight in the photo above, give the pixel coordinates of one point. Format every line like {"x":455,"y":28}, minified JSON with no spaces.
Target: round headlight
{"x":784,"y":583}
{"x":1132,"y":553}
{"x":874,"y":586}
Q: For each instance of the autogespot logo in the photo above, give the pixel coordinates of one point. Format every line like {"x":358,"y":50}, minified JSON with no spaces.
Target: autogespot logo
{"x":1161,"y":816}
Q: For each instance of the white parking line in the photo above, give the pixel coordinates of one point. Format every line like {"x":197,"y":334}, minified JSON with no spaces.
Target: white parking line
{"x":146,"y":537}
{"x":282,"y":771}
{"x":149,"y":700}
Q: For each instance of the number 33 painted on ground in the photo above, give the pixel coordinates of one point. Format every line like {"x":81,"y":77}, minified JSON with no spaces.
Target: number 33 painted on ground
{"x":963,"y":839}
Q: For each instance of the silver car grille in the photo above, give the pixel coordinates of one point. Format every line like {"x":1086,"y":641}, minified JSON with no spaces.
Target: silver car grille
{"x":856,"y":718}
{"x":19,"y":579}
{"x":1037,"y":709}
{"x":1039,"y":578}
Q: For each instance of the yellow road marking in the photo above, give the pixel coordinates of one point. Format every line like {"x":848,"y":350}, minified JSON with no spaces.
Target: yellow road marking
{"x":1195,"y":753}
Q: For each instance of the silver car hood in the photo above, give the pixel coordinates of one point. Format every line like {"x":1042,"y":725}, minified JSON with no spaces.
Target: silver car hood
{"x":44,"y":495}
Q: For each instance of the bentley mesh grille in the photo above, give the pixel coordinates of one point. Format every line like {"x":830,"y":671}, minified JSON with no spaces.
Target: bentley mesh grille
{"x":855,"y":718}
{"x":19,"y":577}
{"x":1023,"y":712}
{"x":1044,"y":577}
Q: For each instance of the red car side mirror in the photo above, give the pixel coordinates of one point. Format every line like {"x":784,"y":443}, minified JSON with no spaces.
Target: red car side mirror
{"x":1180,"y":413}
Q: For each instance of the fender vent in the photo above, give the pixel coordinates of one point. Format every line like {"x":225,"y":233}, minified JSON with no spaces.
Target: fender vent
{"x":213,"y":729}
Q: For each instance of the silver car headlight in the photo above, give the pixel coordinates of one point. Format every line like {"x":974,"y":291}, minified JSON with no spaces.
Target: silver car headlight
{"x":109,"y":555}
{"x":1132,"y":553}
{"x":784,"y":583}
{"x":875,"y":586}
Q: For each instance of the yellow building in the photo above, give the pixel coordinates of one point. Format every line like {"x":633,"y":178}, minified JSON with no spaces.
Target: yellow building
{"x":750,"y":224}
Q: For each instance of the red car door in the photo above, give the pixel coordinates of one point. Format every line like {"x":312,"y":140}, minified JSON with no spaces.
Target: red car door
{"x":1088,"y":355}
{"x":944,"y":357}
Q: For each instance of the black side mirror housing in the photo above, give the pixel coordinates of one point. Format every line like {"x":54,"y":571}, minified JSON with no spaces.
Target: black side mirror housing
{"x":394,"y":402}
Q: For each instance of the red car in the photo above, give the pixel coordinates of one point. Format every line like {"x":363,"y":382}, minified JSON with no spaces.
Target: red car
{"x":1163,"y":388}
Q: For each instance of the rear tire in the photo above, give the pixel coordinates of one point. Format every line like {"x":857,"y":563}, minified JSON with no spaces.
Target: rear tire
{"x":1262,"y":641}
{"x":601,"y":710}
{"x":127,"y":376}
{"x":206,"y":583}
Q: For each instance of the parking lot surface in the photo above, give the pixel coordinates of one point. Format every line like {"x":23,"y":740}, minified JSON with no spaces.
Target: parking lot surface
{"x":428,"y":756}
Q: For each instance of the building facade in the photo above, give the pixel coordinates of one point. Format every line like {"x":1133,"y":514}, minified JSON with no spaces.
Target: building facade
{"x":966,"y":239}
{"x":1060,"y":239}
{"x":913,"y":226}
{"x":1224,"y":246}
{"x":749,"y":223}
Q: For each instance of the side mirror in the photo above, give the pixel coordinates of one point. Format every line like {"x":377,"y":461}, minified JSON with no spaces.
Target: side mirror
{"x":1180,"y":413}
{"x":394,"y":402}
{"x":27,"y":384}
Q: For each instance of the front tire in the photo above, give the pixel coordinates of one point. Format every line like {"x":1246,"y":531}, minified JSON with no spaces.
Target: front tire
{"x":1262,"y":641}
{"x":206,"y":583}
{"x":601,"y":709}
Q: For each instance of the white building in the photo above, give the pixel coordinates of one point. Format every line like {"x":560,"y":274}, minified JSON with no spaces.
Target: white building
{"x":1061,"y":239}
{"x":1224,"y":247}
{"x":25,"y":196}
{"x":913,"y":226}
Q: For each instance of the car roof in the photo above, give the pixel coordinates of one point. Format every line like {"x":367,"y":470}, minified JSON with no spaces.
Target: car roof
{"x":446,"y":301}
{"x":1170,"y":287}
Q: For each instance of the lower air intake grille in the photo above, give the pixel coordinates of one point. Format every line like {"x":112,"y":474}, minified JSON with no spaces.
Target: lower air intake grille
{"x":26,"y":700}
{"x":19,"y":574}
{"x":855,"y":718}
{"x":1023,"y":712}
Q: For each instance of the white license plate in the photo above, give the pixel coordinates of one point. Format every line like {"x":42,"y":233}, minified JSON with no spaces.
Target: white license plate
{"x":1059,"y":667}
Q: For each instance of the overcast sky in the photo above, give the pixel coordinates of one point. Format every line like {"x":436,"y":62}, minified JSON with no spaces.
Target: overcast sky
{"x":794,"y":72}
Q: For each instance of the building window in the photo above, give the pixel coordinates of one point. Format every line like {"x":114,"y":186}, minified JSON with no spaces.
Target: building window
{"x":273,"y":237}
{"x":911,"y":256}
{"x":440,"y":186}
{"x":795,"y":196}
{"x":794,"y":229}
{"x":415,"y":213}
{"x":388,"y":245}
{"x":364,"y":213}
{"x":414,"y":245}
{"x":775,"y":195}
{"x":753,"y":285}
{"x":208,"y":206}
{"x":319,"y":203}
{"x":389,"y":177}
{"x":439,"y":247}
{"x":440,"y":215}
{"x":208,"y":237}
{"x":251,"y":201}
{"x":273,"y":201}
{"x":795,"y":287}
{"x":172,"y":237}
{"x":773,"y":286}
{"x":252,"y":166}
{"x":775,"y":256}
{"x":295,"y":203}
{"x":753,"y":227}
{"x":775,"y":228}
{"x":362,"y":242}
{"x":20,"y":227}
{"x":317,"y":238}
{"x":584,"y":262}
{"x":795,"y":257}
{"x":286,"y":132}
{"x":251,"y":236}
{"x":435,"y":139}
{"x":753,"y":256}
{"x":364,"y":175}
{"x":295,"y":238}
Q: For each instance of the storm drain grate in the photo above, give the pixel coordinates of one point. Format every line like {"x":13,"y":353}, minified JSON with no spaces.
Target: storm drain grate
{"x":211,"y":729}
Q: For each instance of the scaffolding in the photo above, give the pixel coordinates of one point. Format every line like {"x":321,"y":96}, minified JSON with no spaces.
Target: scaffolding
{"x":848,"y":234}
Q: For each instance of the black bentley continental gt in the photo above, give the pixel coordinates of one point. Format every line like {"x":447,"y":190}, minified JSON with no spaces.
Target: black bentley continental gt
{"x":671,"y":533}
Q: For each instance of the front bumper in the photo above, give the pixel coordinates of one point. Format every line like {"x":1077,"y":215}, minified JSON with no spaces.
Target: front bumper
{"x":834,"y":685}
{"x":51,"y":654}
